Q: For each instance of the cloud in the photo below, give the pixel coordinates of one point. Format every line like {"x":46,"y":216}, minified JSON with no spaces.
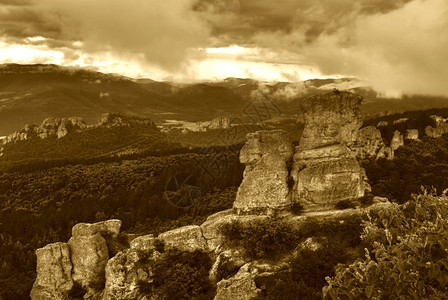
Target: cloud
{"x":159,"y":32}
{"x":397,"y":51}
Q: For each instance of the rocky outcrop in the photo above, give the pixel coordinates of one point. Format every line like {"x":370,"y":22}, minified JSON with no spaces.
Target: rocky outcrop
{"x":54,"y":273}
{"x":89,"y":252}
{"x":368,"y":143}
{"x":80,"y":263}
{"x":60,"y":127}
{"x":332,"y":118}
{"x":411,"y":134}
{"x":127,"y":269}
{"x":187,"y":238}
{"x":325,"y":170}
{"x":397,"y":140}
{"x":385,"y":152}
{"x":219,"y":123}
{"x":239,"y":287}
{"x":265,"y":183}
{"x":50,"y":127}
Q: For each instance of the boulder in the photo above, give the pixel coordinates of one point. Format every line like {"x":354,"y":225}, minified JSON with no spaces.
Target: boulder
{"x":265,"y":181}
{"x":109,"y":228}
{"x":54,"y":272}
{"x":397,"y":140}
{"x":187,"y":238}
{"x":239,"y":287}
{"x":125,"y":272}
{"x":89,"y":256}
{"x":368,"y":143}
{"x":143,"y":243}
{"x":385,"y":152}
{"x":323,"y":181}
{"x":438,"y":131}
{"x":411,"y":134}
{"x":329,"y":119}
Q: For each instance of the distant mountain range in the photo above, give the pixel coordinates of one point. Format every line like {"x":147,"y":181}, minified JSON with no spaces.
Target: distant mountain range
{"x":31,"y":93}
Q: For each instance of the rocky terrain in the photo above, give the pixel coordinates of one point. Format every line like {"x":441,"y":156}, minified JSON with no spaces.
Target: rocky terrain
{"x":60,"y":127}
{"x":100,"y":263}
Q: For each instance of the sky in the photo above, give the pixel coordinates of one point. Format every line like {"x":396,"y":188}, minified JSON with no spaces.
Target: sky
{"x":395,"y":46}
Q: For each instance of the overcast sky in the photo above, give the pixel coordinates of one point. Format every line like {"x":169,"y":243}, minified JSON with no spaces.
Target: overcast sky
{"x":395,"y":46}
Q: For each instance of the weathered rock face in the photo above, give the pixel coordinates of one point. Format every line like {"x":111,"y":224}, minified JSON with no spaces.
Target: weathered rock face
{"x":397,"y":140}
{"x":326,"y":176}
{"x":332,"y":118}
{"x":411,"y":134}
{"x":325,"y":170}
{"x":219,"y":123}
{"x":368,"y":143}
{"x":239,"y":287}
{"x":89,"y":252}
{"x":125,"y":270}
{"x":54,"y":272}
{"x":89,"y":256}
{"x":50,"y":127}
{"x":187,"y":238}
{"x":265,"y":183}
{"x":385,"y":152}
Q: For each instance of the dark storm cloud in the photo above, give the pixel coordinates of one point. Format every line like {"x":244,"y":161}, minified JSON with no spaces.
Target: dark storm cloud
{"x":21,"y":21}
{"x":237,"y":21}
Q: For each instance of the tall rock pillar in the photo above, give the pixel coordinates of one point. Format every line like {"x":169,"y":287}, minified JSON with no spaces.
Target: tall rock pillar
{"x":325,"y":170}
{"x":265,"y":184}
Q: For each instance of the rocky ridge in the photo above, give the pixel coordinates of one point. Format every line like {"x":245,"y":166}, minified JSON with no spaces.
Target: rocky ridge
{"x":60,"y":127}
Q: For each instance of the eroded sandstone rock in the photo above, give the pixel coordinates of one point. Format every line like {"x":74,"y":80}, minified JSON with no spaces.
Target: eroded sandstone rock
{"x":109,"y":227}
{"x":265,"y":184}
{"x":325,"y":170}
{"x":411,"y":134}
{"x":397,"y":140}
{"x":89,"y":256}
{"x":187,"y":238}
{"x":54,"y":272}
{"x":125,"y":271}
{"x":368,"y":143}
{"x":332,"y":118}
{"x":239,"y":287}
{"x":323,"y":181}
{"x":385,"y":152}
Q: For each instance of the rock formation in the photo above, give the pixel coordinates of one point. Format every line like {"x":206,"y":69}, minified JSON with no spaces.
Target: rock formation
{"x":324,"y":173}
{"x":330,"y":119}
{"x":241,"y":286}
{"x":368,"y":143}
{"x":411,"y":134}
{"x":60,"y":127}
{"x":325,"y":170}
{"x":265,"y":183}
{"x":50,"y":127}
{"x":397,"y":140}
{"x":54,"y":272}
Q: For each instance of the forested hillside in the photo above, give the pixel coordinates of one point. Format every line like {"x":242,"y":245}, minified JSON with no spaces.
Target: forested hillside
{"x":40,"y":207}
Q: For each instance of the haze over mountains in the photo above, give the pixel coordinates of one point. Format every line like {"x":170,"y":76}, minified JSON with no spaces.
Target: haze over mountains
{"x":31,"y":93}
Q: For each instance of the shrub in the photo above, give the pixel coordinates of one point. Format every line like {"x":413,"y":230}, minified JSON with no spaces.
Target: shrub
{"x":312,"y":266}
{"x":344,"y":204}
{"x":284,"y":286}
{"x":182,"y":275}
{"x":261,"y":239}
{"x":409,"y":259}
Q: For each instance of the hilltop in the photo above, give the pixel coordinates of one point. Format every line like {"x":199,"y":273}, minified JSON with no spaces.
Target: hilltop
{"x":31,"y":93}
